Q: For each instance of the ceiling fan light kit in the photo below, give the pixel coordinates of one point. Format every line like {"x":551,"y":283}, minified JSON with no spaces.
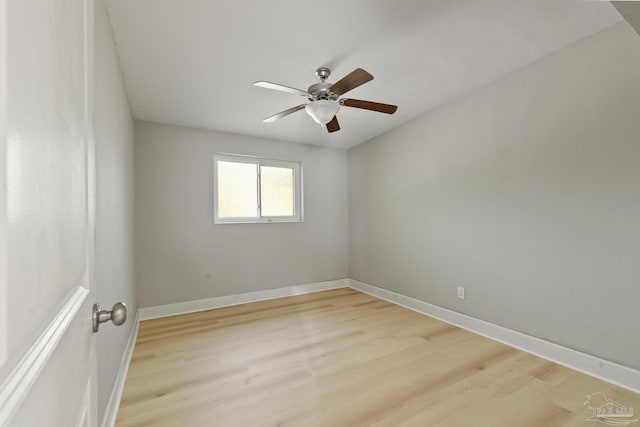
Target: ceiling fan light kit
{"x":323,"y":98}
{"x":322,"y":110}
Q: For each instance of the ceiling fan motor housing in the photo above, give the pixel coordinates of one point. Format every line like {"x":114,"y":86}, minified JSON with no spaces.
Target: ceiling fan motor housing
{"x":321,"y":91}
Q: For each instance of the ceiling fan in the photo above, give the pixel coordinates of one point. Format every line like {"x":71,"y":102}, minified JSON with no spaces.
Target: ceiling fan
{"x":323,"y":97}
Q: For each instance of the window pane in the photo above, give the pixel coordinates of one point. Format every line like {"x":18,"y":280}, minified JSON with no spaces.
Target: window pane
{"x":237,"y":190}
{"x":276,"y":190}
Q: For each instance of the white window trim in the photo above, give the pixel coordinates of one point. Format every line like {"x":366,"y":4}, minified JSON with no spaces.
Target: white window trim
{"x":260,"y":161}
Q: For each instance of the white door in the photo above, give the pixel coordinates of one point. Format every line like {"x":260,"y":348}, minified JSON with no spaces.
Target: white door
{"x":47,"y":350}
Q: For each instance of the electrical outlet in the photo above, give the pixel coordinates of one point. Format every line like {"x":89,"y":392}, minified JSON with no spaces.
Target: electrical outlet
{"x":461,"y":292}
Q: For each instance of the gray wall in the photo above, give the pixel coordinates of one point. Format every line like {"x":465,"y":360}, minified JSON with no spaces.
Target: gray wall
{"x":526,"y":192}
{"x":183,"y":256}
{"x":115,"y":248}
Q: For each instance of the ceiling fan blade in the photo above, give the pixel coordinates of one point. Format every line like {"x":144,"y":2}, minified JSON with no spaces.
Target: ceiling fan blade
{"x":368,"y":105}
{"x":333,"y":125}
{"x":351,"y":81}
{"x":282,"y":88}
{"x":284,"y":113}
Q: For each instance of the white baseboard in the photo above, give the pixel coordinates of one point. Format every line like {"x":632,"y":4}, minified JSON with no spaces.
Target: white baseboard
{"x":605,"y":370}
{"x":157,"y":311}
{"x":111,"y":411}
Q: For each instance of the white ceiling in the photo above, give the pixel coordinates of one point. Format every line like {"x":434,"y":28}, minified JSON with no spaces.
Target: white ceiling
{"x":193,"y":62}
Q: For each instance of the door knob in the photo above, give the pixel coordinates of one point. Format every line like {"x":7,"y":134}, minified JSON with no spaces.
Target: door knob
{"x":117,"y":315}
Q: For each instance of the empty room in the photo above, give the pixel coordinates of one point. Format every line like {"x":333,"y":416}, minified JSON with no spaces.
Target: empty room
{"x":319,"y":214}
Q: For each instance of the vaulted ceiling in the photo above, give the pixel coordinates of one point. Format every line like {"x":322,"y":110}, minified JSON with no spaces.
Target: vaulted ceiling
{"x":193,"y":62}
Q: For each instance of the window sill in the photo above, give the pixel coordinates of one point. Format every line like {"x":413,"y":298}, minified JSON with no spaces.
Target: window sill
{"x":253,"y":221}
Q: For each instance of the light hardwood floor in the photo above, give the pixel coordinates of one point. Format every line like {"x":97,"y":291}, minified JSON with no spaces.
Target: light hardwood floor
{"x":343,"y":358}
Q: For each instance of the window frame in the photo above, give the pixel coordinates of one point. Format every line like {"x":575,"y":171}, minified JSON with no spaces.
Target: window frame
{"x":260,"y":161}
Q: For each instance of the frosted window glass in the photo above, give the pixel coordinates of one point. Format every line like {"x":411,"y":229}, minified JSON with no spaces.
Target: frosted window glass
{"x":277,"y":191}
{"x":237,"y":190}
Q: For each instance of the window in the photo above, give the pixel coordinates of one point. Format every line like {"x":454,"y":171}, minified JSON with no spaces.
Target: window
{"x":253,"y":189}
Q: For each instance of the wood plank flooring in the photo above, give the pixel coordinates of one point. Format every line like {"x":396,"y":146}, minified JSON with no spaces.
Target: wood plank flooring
{"x":342,"y":358}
